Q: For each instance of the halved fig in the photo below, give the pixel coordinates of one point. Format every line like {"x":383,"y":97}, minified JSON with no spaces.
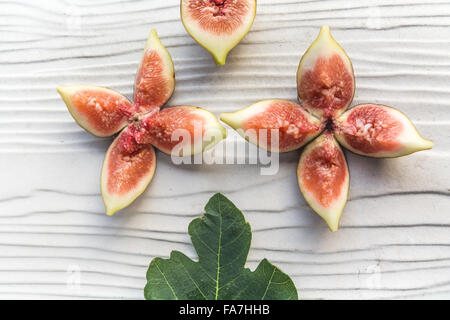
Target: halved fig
{"x":379,"y":131}
{"x":179,"y":131}
{"x":325,"y":78}
{"x":293,"y":126}
{"x":125,"y":175}
{"x":323,"y":178}
{"x":155,"y":78}
{"x":218,"y":25}
{"x":100,"y":111}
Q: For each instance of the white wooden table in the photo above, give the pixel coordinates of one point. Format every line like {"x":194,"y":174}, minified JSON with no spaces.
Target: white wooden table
{"x":394,"y":240}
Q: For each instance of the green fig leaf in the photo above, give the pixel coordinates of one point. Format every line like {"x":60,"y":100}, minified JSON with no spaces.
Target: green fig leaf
{"x":222,"y":239}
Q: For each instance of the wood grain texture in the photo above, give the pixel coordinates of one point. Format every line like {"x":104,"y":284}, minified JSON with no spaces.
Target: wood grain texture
{"x":394,"y":240}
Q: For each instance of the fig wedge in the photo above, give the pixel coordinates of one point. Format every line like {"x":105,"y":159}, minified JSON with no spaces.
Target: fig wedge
{"x":294,"y":126}
{"x":100,"y":111}
{"x":218,"y":25}
{"x":179,"y":131}
{"x":125,"y":175}
{"x":324,"y":179}
{"x":325,"y":77}
{"x":155,"y":78}
{"x":379,"y":131}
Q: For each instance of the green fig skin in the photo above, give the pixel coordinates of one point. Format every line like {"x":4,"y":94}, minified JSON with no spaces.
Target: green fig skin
{"x":379,"y":131}
{"x":295,"y":127}
{"x":325,"y":77}
{"x":324,"y":179}
{"x":125,"y":176}
{"x":218,"y":27}
{"x":98,"y":110}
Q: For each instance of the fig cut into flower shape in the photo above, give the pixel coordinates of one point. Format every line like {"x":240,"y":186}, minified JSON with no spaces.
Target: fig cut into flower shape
{"x":326,"y":86}
{"x":130,"y":162}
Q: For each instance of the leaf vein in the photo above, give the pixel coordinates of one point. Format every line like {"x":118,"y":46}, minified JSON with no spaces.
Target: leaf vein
{"x":218,"y":252}
{"x":195,"y":283}
{"x":268,"y":284}
{"x":236,"y":238}
{"x":233,"y":223}
{"x":204,"y":243}
{"x":167,"y":281}
{"x":206,"y":272}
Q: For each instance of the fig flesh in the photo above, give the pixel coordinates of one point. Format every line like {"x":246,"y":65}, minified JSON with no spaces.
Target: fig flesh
{"x":218,"y":25}
{"x":155,"y":78}
{"x":323,"y":178}
{"x":379,"y":131}
{"x":325,"y":78}
{"x":125,"y":175}
{"x":294,"y":126}
{"x":179,"y":131}
{"x":100,"y":111}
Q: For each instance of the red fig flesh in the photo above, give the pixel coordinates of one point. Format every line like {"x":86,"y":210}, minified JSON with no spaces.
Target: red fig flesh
{"x":155,"y":79}
{"x":218,"y":25}
{"x":378,"y":131}
{"x":325,"y":79}
{"x":181,"y":130}
{"x":100,"y":111}
{"x":294,"y":126}
{"x":323,"y":178}
{"x":125,"y":175}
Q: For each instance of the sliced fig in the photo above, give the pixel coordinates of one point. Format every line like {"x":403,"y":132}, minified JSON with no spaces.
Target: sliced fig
{"x":323,"y":178}
{"x":179,"y":131}
{"x":218,"y":25}
{"x":100,"y":111}
{"x":155,"y":78}
{"x":294,"y":126}
{"x":125,"y":175}
{"x":379,"y":131}
{"x":325,"y":78}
